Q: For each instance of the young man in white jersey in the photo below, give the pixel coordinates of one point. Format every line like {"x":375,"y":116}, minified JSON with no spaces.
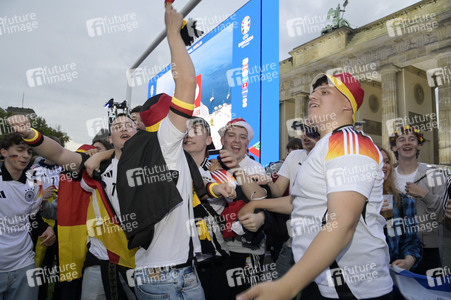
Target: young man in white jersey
{"x":425,"y":186}
{"x":294,"y":160}
{"x":122,"y":129}
{"x":287,"y":175}
{"x":221,"y":187}
{"x":20,"y":198}
{"x":235,"y":138}
{"x":338,"y":237}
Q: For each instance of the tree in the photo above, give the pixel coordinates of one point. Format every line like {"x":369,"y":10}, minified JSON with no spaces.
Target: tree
{"x":38,"y":123}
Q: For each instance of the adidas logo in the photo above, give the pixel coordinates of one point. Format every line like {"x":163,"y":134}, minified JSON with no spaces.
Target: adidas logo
{"x":109,"y":174}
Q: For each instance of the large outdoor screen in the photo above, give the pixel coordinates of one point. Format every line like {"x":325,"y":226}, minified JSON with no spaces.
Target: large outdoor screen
{"x":233,"y":66}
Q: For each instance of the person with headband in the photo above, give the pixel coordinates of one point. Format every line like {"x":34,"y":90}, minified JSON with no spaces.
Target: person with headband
{"x":335,"y":221}
{"x":425,"y":186}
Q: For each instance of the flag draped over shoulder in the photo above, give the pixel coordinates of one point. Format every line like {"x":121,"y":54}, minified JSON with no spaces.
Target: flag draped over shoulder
{"x":143,"y":173}
{"x":420,"y":287}
{"x":72,"y":213}
{"x":84,"y":210}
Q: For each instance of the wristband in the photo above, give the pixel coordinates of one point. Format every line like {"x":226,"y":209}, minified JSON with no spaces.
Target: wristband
{"x":182,"y":108}
{"x":210,"y":189}
{"x":260,"y":198}
{"x":36,"y":140}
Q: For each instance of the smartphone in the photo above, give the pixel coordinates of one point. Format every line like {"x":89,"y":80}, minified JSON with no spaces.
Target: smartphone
{"x":213,"y":154}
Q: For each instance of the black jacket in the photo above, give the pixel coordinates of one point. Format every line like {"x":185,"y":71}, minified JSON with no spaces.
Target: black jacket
{"x":147,"y":188}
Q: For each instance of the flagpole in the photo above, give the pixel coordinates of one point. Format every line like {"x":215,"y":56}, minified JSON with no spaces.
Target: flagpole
{"x":184,"y":12}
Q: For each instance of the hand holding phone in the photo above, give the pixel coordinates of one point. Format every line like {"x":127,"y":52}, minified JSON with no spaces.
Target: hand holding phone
{"x":213,"y":154}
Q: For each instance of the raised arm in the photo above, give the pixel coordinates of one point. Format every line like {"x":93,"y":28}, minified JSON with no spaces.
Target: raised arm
{"x":93,"y":163}
{"x":45,"y":146}
{"x":182,"y":71}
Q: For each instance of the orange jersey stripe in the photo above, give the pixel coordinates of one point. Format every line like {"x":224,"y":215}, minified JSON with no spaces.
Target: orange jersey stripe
{"x":221,"y":176}
{"x":367,"y":148}
{"x":350,"y":142}
{"x":336,"y":146}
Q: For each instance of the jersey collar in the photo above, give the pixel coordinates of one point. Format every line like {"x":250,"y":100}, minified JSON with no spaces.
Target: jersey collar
{"x":7,"y":177}
{"x":341,"y":127}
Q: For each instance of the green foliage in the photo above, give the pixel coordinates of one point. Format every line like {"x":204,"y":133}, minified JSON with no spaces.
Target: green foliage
{"x":38,"y":123}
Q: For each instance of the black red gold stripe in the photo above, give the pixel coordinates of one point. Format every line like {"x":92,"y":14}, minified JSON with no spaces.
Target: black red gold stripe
{"x":182,"y":108}
{"x":36,"y":140}
{"x":210,"y":189}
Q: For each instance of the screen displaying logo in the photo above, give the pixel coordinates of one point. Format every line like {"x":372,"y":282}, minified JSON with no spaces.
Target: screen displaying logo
{"x":245,"y":25}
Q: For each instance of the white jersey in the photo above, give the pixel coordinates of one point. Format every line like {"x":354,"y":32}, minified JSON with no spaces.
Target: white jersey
{"x":344,"y":160}
{"x":218,"y":204}
{"x":170,"y":243}
{"x":18,"y":199}
{"x":250,"y":167}
{"x":48,"y":175}
{"x":291,"y":165}
{"x":109,"y":177}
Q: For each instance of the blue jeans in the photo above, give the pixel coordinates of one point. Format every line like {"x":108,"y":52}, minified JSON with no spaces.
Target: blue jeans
{"x":169,"y":284}
{"x":285,"y":260}
{"x":14,"y":285}
{"x":92,"y":286}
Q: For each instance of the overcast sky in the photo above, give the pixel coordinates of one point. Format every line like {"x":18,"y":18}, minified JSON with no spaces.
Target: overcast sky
{"x":61,"y":36}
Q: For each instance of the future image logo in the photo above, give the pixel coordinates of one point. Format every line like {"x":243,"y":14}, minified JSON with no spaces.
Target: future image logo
{"x":95,"y":125}
{"x":305,"y":25}
{"x":234,"y":77}
{"x":438,"y":76}
{"x":108,"y":25}
{"x":438,"y":276}
{"x":410,"y":25}
{"x":351,"y":274}
{"x":13,"y":24}
{"x":40,"y":276}
{"x":235,"y":277}
{"x":54,"y":74}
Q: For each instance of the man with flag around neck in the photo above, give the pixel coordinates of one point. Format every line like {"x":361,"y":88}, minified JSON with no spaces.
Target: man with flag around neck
{"x":335,"y":222}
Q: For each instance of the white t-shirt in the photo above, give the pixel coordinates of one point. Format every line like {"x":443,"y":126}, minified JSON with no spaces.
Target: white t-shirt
{"x":218,"y":204}
{"x":17,"y":201}
{"x":401,"y":179}
{"x":47,"y":176}
{"x":344,"y":161}
{"x":109,"y":177}
{"x":170,"y":244}
{"x":289,"y":170}
{"x":220,"y":176}
{"x":250,"y":167}
{"x":291,"y":165}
